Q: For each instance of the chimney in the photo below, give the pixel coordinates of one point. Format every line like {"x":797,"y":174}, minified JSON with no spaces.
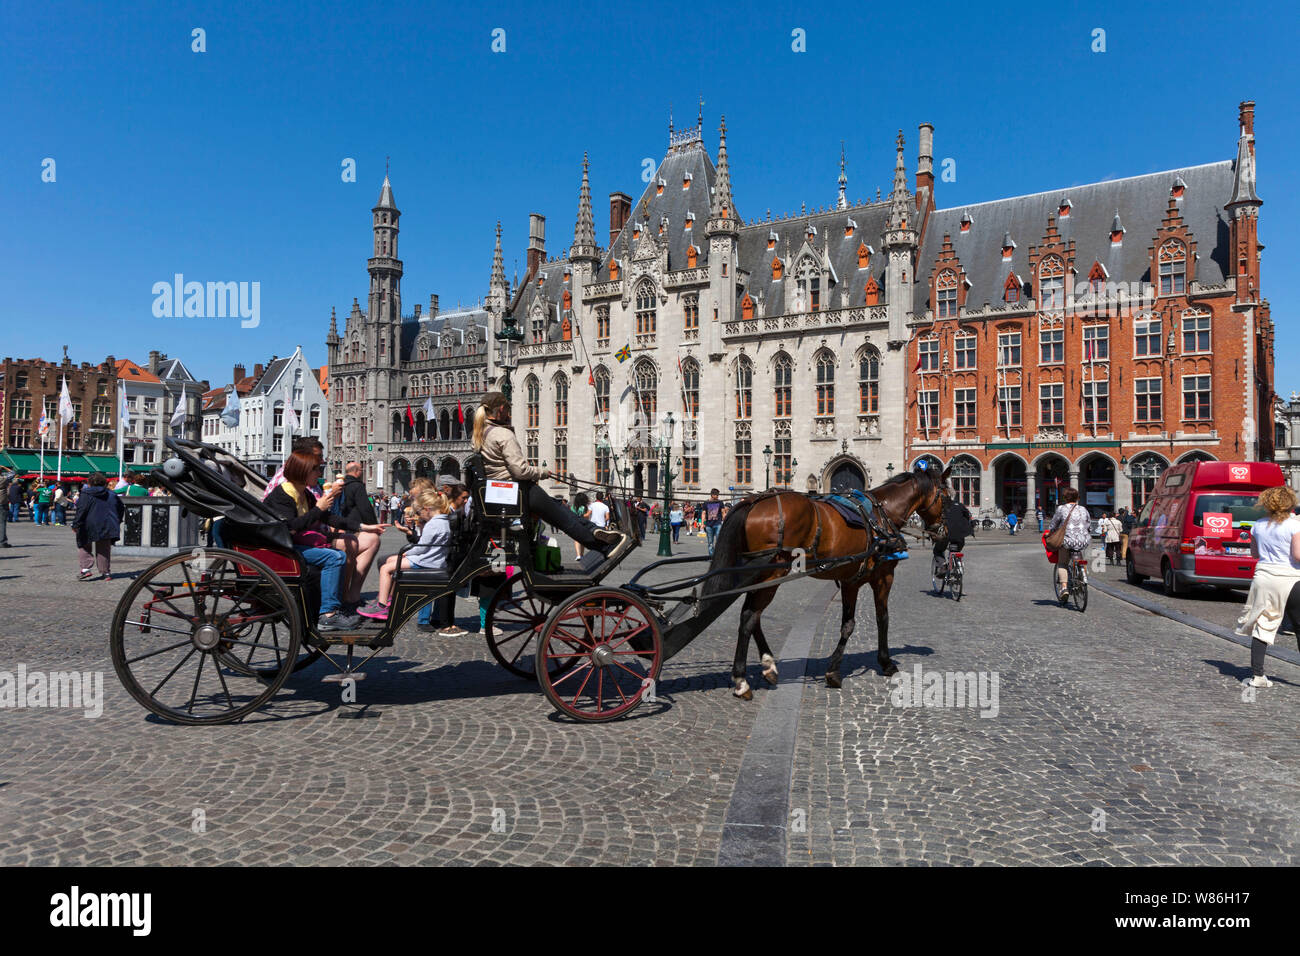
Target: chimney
{"x":238,"y":374}
{"x":620,"y":210}
{"x":433,"y":305}
{"x":1246,"y":117}
{"x":925,"y":157}
{"x":536,"y":242}
{"x":155,"y":360}
{"x":417,"y":310}
{"x":258,"y":369}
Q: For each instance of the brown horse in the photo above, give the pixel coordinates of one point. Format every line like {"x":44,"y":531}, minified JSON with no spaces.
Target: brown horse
{"x":766,"y":529}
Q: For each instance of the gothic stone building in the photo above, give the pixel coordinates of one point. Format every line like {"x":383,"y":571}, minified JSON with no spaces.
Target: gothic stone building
{"x":1092,"y":336}
{"x":387,"y":364}
{"x":785,"y":334}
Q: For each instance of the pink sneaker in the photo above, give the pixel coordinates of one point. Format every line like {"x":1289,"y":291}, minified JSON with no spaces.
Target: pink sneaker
{"x":374,"y":610}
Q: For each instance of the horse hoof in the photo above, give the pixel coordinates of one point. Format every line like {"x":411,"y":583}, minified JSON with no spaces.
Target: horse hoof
{"x":769,"y":669}
{"x":742,"y":690}
{"x":891,"y":669}
{"x":833,"y":680}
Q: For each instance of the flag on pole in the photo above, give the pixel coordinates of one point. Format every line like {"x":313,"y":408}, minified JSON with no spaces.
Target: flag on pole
{"x":410,"y":417}
{"x":428,"y":409}
{"x":178,"y":416}
{"x":591,"y":377}
{"x":44,"y":427}
{"x":65,"y":402}
{"x":917,"y":368}
{"x":123,"y":413}
{"x":623,"y":354}
{"x":290,"y":418}
{"x":460,"y":412}
{"x":230,"y":414}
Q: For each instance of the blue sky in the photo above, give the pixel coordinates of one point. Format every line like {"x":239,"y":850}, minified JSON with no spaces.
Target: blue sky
{"x":225,"y":165}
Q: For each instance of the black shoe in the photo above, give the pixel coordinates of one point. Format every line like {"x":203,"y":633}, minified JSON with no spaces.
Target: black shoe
{"x":606,"y":540}
{"x":6,"y":544}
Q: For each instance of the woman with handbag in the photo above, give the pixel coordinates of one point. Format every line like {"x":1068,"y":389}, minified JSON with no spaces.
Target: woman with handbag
{"x":1275,"y":586}
{"x":1069,"y":536}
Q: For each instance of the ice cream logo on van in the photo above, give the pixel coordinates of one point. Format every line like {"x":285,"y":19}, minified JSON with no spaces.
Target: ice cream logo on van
{"x":1239,"y":473}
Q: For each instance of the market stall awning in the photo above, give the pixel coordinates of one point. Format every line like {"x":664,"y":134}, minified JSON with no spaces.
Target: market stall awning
{"x":25,"y":463}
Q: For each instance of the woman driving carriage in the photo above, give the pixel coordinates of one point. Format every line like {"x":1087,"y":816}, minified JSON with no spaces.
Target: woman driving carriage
{"x":292,"y":502}
{"x":503,"y":460}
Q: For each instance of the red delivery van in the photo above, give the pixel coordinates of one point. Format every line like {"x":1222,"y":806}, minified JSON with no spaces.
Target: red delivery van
{"x":1195,"y":529}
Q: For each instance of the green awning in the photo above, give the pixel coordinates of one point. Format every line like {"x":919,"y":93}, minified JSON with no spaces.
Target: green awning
{"x":23,"y":462}
{"x":106,"y":464}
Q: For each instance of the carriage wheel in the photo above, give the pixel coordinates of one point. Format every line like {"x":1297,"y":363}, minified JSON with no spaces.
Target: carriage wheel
{"x":613,"y":640}
{"x":184,"y":621}
{"x":515,"y":618}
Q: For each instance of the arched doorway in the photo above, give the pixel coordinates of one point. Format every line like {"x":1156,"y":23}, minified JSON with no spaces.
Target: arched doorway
{"x":401,"y":474}
{"x":1010,"y":484}
{"x":965,"y":480}
{"x":847,"y":476}
{"x":1145,"y":471}
{"x":1097,"y":485}
{"x":423,"y":468}
{"x":1053,"y":477}
{"x":450,"y":466}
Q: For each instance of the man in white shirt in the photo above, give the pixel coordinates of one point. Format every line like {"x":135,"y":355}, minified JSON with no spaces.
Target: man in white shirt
{"x":598,"y":512}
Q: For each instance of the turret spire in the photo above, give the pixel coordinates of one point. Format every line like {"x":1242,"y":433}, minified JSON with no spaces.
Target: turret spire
{"x":899,"y":201}
{"x":584,"y":231}
{"x":1243,"y":182}
{"x":386,"y":193}
{"x":498,"y":262}
{"x":720,"y":208}
{"x":843,"y":181}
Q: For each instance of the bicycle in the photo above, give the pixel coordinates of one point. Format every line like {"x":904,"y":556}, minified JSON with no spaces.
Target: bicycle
{"x":952,"y":576}
{"x":1076,"y":585}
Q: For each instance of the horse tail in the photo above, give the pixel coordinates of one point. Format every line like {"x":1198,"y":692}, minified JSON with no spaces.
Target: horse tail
{"x":728,"y":551}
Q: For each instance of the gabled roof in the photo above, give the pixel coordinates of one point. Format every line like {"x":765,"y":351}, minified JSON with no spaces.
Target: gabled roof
{"x":175,"y":370}
{"x":460,"y":322}
{"x":271,"y":376}
{"x":128,"y":371}
{"x":1142,"y":202}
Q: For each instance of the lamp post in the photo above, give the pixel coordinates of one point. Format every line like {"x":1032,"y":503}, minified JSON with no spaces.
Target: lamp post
{"x":767,"y":467}
{"x":508,"y":338}
{"x":789,"y":475}
{"x":889,"y":469}
{"x":665,"y":455}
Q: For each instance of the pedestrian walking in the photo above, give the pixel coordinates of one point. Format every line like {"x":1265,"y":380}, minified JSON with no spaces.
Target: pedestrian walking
{"x":60,"y":505}
{"x":1275,"y":587}
{"x":97,"y":525}
{"x":1039,"y":514}
{"x":44,"y":498}
{"x":641,"y":511}
{"x":580,"y":508}
{"x":14,"y":498}
{"x":1011,"y":521}
{"x":675,"y":519}
{"x":1111,"y":529}
{"x":1127,"y":520}
{"x":713,"y":514}
{"x":8,"y":479}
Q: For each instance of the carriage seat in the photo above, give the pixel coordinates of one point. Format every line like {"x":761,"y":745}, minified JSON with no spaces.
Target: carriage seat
{"x":476,"y":481}
{"x":422,"y":576}
{"x":286,"y":564}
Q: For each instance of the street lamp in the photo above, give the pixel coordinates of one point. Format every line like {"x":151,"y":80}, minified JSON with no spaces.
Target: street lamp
{"x":767,"y":466}
{"x":508,"y":338}
{"x":789,"y":476}
{"x":665,"y":454}
{"x":889,"y":469}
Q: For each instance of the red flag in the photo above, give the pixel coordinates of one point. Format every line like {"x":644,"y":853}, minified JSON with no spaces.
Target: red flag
{"x":918,"y":363}
{"x":460,"y":412}
{"x":1087,"y":350}
{"x":409,"y":417}
{"x":591,"y":377}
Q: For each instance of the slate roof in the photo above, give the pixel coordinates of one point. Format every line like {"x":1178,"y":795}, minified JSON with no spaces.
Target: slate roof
{"x":269,"y":377}
{"x":1141,"y":202}
{"x":460,"y":322}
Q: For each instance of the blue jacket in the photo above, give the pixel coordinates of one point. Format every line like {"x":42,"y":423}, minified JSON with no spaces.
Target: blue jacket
{"x":99,"y":515}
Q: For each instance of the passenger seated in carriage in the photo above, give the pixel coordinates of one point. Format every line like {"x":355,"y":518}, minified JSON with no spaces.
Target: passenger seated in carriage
{"x":433,"y":509}
{"x":503,"y":460}
{"x":307,"y":517}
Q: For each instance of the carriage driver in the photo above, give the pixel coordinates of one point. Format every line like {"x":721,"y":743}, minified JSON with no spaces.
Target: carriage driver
{"x":503,"y":460}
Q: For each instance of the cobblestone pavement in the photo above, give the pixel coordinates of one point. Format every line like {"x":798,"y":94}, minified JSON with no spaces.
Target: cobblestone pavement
{"x":1116,"y":709}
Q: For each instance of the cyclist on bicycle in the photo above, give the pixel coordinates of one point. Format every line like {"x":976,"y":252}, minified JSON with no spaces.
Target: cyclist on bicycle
{"x":957,"y":517}
{"x":1078,"y":536}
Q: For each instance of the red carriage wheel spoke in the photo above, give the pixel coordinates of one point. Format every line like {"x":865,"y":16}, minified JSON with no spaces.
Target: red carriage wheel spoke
{"x":577,"y":670}
{"x":585,"y":681}
{"x":633,"y":673}
{"x":629,"y":635}
{"x":600,"y":689}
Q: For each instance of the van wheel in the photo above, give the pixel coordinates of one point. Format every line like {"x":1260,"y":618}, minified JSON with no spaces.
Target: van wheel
{"x":1130,"y":569}
{"x":1171,"y":586}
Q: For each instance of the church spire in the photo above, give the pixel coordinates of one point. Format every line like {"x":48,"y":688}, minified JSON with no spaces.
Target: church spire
{"x":584,"y":230}
{"x":721,"y":205}
{"x":333,"y":337}
{"x":899,"y":201}
{"x":498,"y":262}
{"x":386,"y":195}
{"x":843,"y":202}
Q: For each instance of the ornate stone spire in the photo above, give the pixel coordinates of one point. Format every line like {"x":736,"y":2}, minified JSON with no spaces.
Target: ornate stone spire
{"x":844,"y":181}
{"x":498,"y":262}
{"x":1243,"y":181}
{"x":900,"y":201}
{"x":584,"y":231}
{"x":721,"y":205}
{"x":333,"y":337}
{"x":386,"y":195}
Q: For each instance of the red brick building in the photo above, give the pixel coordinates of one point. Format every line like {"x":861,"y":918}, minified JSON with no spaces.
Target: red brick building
{"x":1092,"y":336}
{"x":29,"y":385}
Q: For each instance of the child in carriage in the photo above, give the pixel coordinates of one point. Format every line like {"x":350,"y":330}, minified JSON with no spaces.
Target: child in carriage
{"x":433,"y":509}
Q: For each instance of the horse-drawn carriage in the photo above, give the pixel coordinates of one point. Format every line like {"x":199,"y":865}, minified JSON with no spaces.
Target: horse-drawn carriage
{"x":210,"y":635}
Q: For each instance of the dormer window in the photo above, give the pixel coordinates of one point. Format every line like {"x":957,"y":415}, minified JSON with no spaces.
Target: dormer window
{"x":613,"y":269}
{"x":864,"y":255}
{"x":1063,"y":208}
{"x":771,"y":240}
{"x":663,"y":224}
{"x":776,"y":268}
{"x":811,"y":233}
{"x":872,"y":292}
{"x":636,"y":231}
{"x":1179,"y":187}
{"x":1097,"y":279}
{"x":1008,"y":247}
{"x":567,"y":276}
{"x":691,"y":256}
{"x":966,"y":222}
{"x":690,"y":220}
{"x":1011,"y":290}
{"x":686,"y":181}
{"x":946,"y":294}
{"x":746,"y":307}
{"x":1116,"y":230}
{"x":849,"y":227}
{"x":659,"y":186}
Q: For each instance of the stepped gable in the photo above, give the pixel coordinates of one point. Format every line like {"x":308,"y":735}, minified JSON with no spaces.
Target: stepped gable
{"x":870,"y":220}
{"x":1142,"y":202}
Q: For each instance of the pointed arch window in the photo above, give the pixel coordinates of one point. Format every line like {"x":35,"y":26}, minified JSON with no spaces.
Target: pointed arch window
{"x":361,"y":389}
{"x":645,"y":309}
{"x":602,"y":325}
{"x":561,"y":385}
{"x":744,"y":455}
{"x":1173,"y":268}
{"x":422,"y":350}
{"x":691,"y":388}
{"x":645,"y":382}
{"x":825,"y":383}
{"x":782,"y":447}
{"x":946,"y":294}
{"x":533,"y":400}
{"x":744,"y":388}
{"x":808,"y":284}
{"x":691,"y":313}
{"x":746,"y":307}
{"x":1096,"y":279}
{"x":1051,"y":283}
{"x":352,"y":390}
{"x":869,"y":382}
{"x":601,"y":380}
{"x":783,"y":385}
